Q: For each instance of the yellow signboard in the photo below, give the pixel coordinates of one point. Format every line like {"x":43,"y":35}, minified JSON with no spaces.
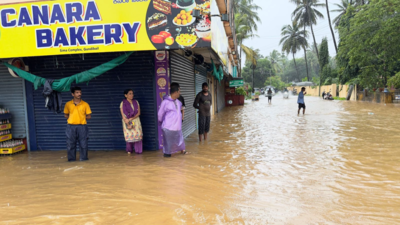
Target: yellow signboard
{"x":89,"y":26}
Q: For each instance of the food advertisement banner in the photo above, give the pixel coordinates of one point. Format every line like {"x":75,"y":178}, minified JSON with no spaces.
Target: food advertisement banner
{"x":87,"y":26}
{"x":219,"y":40}
{"x":161,"y":59}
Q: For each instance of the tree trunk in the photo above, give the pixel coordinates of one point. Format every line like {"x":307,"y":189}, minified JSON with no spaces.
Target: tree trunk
{"x":305,"y":55}
{"x":240,"y":59}
{"x":315,"y":42}
{"x":330,"y":25}
{"x":295,"y":65}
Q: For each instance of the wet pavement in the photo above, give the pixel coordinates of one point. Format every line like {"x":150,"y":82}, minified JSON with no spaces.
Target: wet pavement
{"x":263,"y":164}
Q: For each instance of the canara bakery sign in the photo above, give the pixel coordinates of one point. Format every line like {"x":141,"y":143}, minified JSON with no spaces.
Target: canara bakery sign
{"x":87,"y":26}
{"x":73,"y":13}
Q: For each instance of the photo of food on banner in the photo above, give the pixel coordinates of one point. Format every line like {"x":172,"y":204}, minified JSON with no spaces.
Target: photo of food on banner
{"x":171,"y":24}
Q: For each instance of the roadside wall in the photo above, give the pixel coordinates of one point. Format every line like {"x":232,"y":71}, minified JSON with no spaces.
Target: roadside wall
{"x":376,"y":97}
{"x":336,"y":91}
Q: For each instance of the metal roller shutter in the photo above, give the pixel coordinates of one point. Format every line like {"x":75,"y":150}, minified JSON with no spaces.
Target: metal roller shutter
{"x":12,"y":97}
{"x":104,"y":95}
{"x":201,"y":77}
{"x":182,"y":72}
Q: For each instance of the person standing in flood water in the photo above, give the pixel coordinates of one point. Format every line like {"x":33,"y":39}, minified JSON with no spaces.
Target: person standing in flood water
{"x":77,"y":113}
{"x":130,"y":112}
{"x":300,"y":101}
{"x":269,"y":95}
{"x":203,"y":103}
{"x":170,"y":117}
{"x":182,"y":100}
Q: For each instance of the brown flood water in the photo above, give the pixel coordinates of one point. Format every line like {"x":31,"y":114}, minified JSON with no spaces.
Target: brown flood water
{"x":263,"y":164}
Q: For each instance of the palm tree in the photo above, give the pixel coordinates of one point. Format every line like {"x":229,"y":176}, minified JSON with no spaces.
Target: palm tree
{"x":275,"y":58}
{"x":330,"y":25}
{"x":248,"y":8}
{"x":342,"y":10}
{"x":293,"y":39}
{"x":244,"y":31}
{"x":306,"y":14}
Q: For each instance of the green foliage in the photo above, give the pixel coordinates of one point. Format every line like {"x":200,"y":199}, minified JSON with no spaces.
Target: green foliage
{"x":261,"y":72}
{"x":240,"y":91}
{"x":257,"y":93}
{"x":276,"y":82}
{"x":323,"y":54}
{"x":340,"y":99}
{"x":394,"y":81}
{"x":305,"y":79}
{"x":369,"y":47}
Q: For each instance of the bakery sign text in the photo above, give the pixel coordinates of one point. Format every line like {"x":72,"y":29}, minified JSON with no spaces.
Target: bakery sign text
{"x":69,"y":36}
{"x":127,"y":1}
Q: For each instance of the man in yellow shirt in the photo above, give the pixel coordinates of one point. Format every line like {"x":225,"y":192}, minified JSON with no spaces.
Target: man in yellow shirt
{"x":77,"y":113}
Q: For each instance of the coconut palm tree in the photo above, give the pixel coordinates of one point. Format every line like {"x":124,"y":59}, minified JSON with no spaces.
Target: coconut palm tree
{"x":342,"y":10}
{"x":306,"y":14}
{"x":293,"y":39}
{"x":244,"y":31}
{"x":330,"y":25}
{"x":249,"y":9}
{"x":275,"y":58}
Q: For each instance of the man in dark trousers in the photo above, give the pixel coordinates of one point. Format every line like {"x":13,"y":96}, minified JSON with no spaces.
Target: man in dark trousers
{"x":203,"y":103}
{"x":77,"y":113}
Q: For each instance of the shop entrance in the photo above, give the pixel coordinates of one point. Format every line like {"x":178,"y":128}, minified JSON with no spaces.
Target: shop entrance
{"x":104,"y":95}
{"x":182,"y":72}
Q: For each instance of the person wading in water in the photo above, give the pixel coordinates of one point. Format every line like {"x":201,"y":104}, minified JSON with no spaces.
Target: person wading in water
{"x":203,"y":103}
{"x":77,"y":113}
{"x":300,"y":101}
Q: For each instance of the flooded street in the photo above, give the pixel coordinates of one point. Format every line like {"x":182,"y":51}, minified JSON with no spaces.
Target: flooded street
{"x":263,"y":164}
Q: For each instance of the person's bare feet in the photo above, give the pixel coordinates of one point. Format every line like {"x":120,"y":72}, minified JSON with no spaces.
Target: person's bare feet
{"x":129,"y":153}
{"x":184,"y":152}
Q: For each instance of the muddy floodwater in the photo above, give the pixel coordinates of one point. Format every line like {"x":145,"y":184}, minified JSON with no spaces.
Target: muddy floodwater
{"x":263,"y":164}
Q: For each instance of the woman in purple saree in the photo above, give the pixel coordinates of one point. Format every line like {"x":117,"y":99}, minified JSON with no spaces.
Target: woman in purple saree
{"x":170,"y":117}
{"x":130,"y":111}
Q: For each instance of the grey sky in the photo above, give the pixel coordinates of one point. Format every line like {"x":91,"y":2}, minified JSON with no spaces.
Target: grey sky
{"x":277,"y":13}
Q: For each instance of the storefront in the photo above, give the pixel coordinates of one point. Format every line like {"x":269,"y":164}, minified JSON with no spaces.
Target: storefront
{"x":85,"y":34}
{"x":104,"y":95}
{"x":182,"y":72}
{"x":12,"y":92}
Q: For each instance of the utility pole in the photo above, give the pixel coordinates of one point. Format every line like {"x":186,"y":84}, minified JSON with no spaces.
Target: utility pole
{"x":253,"y":67}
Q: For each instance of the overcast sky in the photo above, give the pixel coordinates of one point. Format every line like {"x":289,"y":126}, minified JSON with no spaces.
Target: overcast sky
{"x":277,"y":13}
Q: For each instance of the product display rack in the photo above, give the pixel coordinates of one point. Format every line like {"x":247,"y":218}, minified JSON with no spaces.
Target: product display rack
{"x":8,"y":137}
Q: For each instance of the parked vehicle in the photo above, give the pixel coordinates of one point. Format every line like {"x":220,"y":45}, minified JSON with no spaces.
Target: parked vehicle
{"x":328,"y":96}
{"x":262,"y":91}
{"x":286,"y":94}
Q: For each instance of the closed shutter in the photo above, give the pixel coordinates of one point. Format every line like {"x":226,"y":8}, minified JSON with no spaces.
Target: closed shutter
{"x":201,"y":77}
{"x":12,"y":97}
{"x":182,"y":72}
{"x":104,"y":95}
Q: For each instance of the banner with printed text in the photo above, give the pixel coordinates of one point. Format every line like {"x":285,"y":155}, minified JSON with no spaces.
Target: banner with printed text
{"x":88,"y":26}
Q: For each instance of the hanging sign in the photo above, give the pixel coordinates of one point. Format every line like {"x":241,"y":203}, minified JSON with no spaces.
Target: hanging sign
{"x":88,"y":26}
{"x":236,"y":83}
